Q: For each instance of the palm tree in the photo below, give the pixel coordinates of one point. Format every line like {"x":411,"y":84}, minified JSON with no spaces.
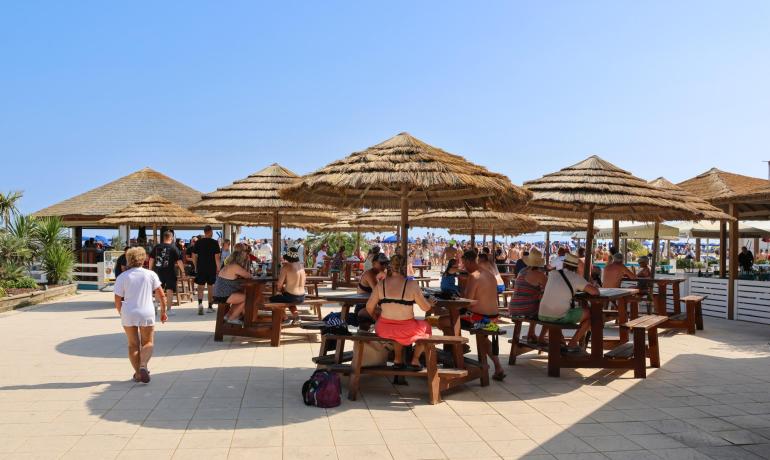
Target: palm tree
{"x":8,"y":206}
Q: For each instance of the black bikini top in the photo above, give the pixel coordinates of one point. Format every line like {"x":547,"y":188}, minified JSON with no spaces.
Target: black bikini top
{"x":364,"y":288}
{"x":400,"y":301}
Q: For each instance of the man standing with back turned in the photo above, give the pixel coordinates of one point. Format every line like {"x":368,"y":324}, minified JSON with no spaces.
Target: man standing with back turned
{"x":206,"y":258}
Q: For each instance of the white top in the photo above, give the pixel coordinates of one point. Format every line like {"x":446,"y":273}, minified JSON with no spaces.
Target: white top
{"x":557,"y":262}
{"x":557,"y":296}
{"x":136,"y":286}
{"x":319,"y":259}
{"x":301,"y":254}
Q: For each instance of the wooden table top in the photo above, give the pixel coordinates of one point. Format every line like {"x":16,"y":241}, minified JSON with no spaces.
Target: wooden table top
{"x":257,"y":280}
{"x":348,"y":298}
{"x":669,"y":280}
{"x":314,"y":278}
{"x":610,"y":294}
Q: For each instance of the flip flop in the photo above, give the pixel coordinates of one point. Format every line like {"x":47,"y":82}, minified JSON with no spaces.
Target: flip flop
{"x":136,"y":377}
{"x":144,"y":375}
{"x":499,"y":376}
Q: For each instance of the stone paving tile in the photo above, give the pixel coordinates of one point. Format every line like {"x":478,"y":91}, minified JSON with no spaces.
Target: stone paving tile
{"x":240,"y":399}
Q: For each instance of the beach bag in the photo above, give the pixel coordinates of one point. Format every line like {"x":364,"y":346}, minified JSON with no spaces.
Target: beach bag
{"x":322,"y":390}
{"x":376,"y":354}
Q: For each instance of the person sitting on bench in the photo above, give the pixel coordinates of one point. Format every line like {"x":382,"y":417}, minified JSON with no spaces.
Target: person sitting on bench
{"x":615,"y":272}
{"x":485,"y":263}
{"x":366,"y":284}
{"x":396,"y":296}
{"x":528,"y":289}
{"x":558,"y":302}
{"x":291,"y":282}
{"x":228,"y":288}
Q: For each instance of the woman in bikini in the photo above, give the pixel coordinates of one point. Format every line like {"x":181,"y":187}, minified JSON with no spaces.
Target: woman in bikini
{"x":396,"y":296}
{"x":366,"y":285}
{"x":228,"y":286}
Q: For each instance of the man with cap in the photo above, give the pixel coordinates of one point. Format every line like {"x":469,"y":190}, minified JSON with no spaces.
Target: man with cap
{"x":558,"y":302}
{"x":615,"y":272}
{"x":291,"y":283}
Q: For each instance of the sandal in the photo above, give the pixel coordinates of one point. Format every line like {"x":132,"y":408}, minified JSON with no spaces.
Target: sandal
{"x":499,"y":376}
{"x":136,"y":377}
{"x":144,"y":375}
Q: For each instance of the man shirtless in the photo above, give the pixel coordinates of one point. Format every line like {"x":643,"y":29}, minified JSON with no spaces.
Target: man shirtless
{"x":615,"y":272}
{"x":449,"y":253}
{"x":291,"y":283}
{"x":480,"y":287}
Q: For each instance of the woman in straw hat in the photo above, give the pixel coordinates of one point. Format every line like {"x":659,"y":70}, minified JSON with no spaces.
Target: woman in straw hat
{"x":528,"y":289}
{"x":134,"y":289}
{"x":396,"y":296}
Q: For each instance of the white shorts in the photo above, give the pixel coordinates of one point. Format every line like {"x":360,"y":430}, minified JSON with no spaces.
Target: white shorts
{"x":141,"y":318}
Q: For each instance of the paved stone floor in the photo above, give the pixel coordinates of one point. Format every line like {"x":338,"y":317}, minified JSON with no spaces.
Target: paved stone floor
{"x":65,"y":392}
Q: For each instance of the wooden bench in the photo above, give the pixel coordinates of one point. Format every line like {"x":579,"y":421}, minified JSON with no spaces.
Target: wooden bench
{"x":505,"y":295}
{"x":438,"y":379}
{"x":184,"y":290}
{"x":689,"y":320}
{"x":486,"y":346}
{"x":265,"y":322}
{"x":519,"y":347}
{"x":640,"y":349}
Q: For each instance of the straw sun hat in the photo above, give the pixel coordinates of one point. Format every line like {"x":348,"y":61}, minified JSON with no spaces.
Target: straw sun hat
{"x":534,"y":259}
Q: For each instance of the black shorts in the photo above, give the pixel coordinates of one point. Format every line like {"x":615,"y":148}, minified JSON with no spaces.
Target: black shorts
{"x":287,"y":298}
{"x":206,"y":277}
{"x":168,"y":281}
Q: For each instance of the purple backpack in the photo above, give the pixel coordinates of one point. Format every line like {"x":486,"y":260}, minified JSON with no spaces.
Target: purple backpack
{"x":322,"y":390}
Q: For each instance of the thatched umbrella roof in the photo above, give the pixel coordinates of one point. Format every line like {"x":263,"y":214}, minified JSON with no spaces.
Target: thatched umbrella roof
{"x":100,"y":202}
{"x":257,"y":194}
{"x":558,"y":224}
{"x":597,"y":186}
{"x":477,"y":220}
{"x":296,"y":218}
{"x":155,"y":210}
{"x":381,"y":175}
{"x":382,"y":217}
{"x":715,"y":184}
{"x":706,"y":210}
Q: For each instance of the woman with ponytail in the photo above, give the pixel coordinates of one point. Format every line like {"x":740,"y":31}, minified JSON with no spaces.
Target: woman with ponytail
{"x":396,"y":296}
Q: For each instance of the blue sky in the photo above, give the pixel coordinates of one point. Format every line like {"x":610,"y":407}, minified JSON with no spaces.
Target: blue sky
{"x":208,"y":92}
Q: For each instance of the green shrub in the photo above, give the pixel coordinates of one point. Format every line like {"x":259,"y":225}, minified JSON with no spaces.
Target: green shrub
{"x":23,"y":282}
{"x":58,"y":263}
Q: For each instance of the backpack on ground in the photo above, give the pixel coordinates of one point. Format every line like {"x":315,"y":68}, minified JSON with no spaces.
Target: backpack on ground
{"x":322,"y":390}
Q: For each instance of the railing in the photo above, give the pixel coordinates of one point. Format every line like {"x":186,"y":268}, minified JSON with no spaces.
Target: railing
{"x":752,"y":301}
{"x":715,"y":290}
{"x":90,"y":274}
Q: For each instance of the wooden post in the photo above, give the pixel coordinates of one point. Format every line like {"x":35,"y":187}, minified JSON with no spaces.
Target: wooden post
{"x":473,"y":232}
{"x":493,"y":242}
{"x":697,"y":249}
{"x":733,"y":247}
{"x":625,"y":249}
{"x":722,"y":249}
{"x":547,"y":245}
{"x":78,"y":238}
{"x":616,"y":235}
{"x":276,"y":243}
{"x":755,"y":249}
{"x":155,"y":234}
{"x":404,"y":226}
{"x":655,"y":247}
{"x":358,"y":242}
{"x":589,"y":248}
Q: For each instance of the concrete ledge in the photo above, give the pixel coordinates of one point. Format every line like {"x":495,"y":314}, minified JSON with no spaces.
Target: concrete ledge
{"x":32,"y":298}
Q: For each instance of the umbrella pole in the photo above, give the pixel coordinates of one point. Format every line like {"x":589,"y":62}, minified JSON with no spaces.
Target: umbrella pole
{"x":655,"y":248}
{"x":493,"y":242}
{"x":404,"y":225}
{"x":154,"y":234}
{"x":616,"y":234}
{"x":722,"y":249}
{"x":547,"y":244}
{"x":589,"y":244}
{"x":276,"y":242}
{"x":358,"y":243}
{"x":473,"y":233}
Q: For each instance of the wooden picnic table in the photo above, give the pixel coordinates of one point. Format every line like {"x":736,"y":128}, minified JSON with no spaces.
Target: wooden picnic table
{"x":596,"y":359}
{"x":254,"y":289}
{"x":421,"y":269}
{"x":347,"y":301}
{"x":507,"y":279}
{"x":316,"y":280}
{"x":660,"y":298}
{"x":423,"y":281}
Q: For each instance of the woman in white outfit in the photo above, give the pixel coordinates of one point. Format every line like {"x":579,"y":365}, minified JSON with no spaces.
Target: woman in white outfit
{"x":134,"y":289}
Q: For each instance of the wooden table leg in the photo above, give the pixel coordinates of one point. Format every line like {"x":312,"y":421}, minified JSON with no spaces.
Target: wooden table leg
{"x":434,"y":382}
{"x":482,"y":345}
{"x":660,"y":299}
{"x":276,"y":316}
{"x":597,"y":331}
{"x":676,"y":296}
{"x":640,"y":355}
{"x":355,"y":373}
{"x":654,"y":349}
{"x":554,"y":351}
{"x":622,"y":319}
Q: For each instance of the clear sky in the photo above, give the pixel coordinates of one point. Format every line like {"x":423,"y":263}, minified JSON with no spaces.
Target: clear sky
{"x":208,"y":92}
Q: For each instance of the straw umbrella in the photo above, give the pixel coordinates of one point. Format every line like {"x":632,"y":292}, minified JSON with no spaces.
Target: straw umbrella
{"x":256,"y":199}
{"x":156,"y":211}
{"x":475,"y":220}
{"x":404,"y":172}
{"x":595,"y":188}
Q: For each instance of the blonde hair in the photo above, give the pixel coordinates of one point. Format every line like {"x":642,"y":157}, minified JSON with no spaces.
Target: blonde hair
{"x":135,"y":257}
{"x":396,"y":264}
{"x":239,"y":257}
